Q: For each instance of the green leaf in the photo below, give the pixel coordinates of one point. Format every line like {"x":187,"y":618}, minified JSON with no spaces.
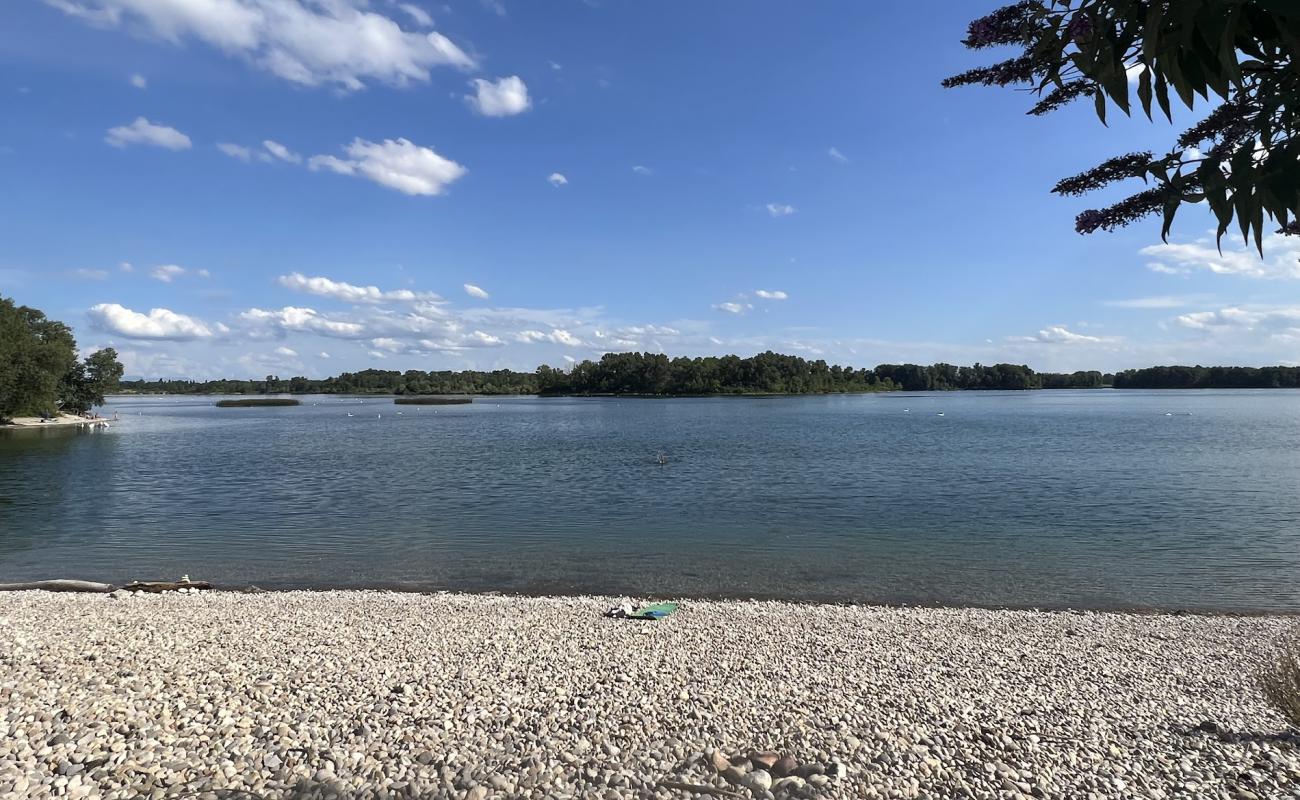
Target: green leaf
{"x":1099,"y":101}
{"x":1171,"y":208}
{"x":1162,"y":96}
{"x":1144,"y":91}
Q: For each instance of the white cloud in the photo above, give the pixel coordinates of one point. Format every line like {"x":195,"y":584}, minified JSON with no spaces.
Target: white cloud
{"x":203,"y":273}
{"x":555,"y":66}
{"x":305,"y":320}
{"x":139,"y":81}
{"x":557,"y":179}
{"x":836,"y":154}
{"x":312,"y":43}
{"x":1281,"y":321}
{"x":323,"y":354}
{"x":529,"y":336}
{"x":1159,"y":301}
{"x":561,"y":336}
{"x":771,"y":295}
{"x":388,"y":344}
{"x":780,"y":209}
{"x":570,"y":359}
{"x":733,"y":308}
{"x":476,"y":291}
{"x":504,"y":98}
{"x":166,"y":272}
{"x":91,"y":274}
{"x":640,"y":170}
{"x":1281,"y":258}
{"x":1057,"y":334}
{"x":142,"y":131}
{"x":125,"y":266}
{"x":398,"y":164}
{"x":286,"y":351}
{"x":235,"y":151}
{"x":351,"y":293}
{"x":281,"y":152}
{"x":419,"y":15}
{"x":159,"y":323}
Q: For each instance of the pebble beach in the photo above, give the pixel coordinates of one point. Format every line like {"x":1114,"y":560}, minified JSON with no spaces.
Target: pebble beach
{"x":348,"y":694}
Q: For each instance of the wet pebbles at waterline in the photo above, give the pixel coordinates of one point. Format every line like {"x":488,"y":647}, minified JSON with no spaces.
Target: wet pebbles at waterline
{"x":372,"y":694}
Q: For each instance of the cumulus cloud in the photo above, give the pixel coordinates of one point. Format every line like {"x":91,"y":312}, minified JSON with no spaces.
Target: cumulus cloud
{"x":529,"y":336}
{"x":281,"y":152}
{"x":142,"y":131}
{"x":166,"y":272}
{"x":398,"y":164}
{"x":476,"y":291}
{"x":504,"y":97}
{"x":340,"y":42}
{"x":351,"y":293}
{"x":836,"y":154}
{"x":125,"y":266}
{"x":733,"y":307}
{"x":1281,"y":258}
{"x":303,"y":320}
{"x":139,"y":81}
{"x":561,"y":336}
{"x":235,"y":151}
{"x":159,"y":323}
{"x":1281,"y":321}
{"x":780,"y":209}
{"x":557,"y":179}
{"x":640,"y":170}
{"x":286,"y":351}
{"x":1057,"y":334}
{"x":91,"y":274}
{"x":771,"y":295}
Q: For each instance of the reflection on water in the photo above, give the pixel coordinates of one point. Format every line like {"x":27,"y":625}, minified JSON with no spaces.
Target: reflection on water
{"x":1096,"y":499}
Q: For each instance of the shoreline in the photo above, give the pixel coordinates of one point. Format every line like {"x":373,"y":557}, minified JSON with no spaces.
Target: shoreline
{"x":61,"y":421}
{"x":383,"y":694}
{"x":271,"y":588}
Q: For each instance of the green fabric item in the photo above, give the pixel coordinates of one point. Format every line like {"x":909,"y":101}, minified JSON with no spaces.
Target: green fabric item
{"x":654,"y":611}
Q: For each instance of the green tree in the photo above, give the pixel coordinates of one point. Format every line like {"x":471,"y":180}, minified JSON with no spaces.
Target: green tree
{"x":36,"y":353}
{"x":84,"y":385}
{"x":1239,"y":56}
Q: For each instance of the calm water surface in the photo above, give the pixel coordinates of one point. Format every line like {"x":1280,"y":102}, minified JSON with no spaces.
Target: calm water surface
{"x":1079,"y":499}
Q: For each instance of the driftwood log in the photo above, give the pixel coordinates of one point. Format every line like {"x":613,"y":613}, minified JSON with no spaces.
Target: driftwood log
{"x":103,"y":588}
{"x":165,"y":586}
{"x":58,"y":586}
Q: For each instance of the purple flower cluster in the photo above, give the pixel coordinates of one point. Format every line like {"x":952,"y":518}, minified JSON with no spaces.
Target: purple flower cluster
{"x":1008,"y":25}
{"x":1132,"y":165}
{"x":1124,"y":212}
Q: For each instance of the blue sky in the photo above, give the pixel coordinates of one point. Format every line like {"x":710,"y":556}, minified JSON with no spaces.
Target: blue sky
{"x":243,"y":187}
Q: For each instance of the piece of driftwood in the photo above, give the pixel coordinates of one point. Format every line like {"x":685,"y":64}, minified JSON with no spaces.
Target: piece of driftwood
{"x":58,"y":586}
{"x":700,"y":788}
{"x":165,"y":586}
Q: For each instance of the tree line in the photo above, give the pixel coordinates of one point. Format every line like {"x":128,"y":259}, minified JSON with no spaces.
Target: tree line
{"x":40,"y":374}
{"x":651,"y":374}
{"x":1199,"y":377}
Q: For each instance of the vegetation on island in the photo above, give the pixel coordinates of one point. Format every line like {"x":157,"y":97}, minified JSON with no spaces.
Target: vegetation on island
{"x":250,"y":402}
{"x":40,"y":374}
{"x":1242,"y":159}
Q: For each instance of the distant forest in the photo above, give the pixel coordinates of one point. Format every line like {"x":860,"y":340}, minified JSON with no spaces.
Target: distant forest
{"x":765,"y":373}
{"x":652,"y":374}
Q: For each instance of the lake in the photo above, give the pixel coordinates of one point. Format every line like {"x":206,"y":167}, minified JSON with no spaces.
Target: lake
{"x":1089,"y":499}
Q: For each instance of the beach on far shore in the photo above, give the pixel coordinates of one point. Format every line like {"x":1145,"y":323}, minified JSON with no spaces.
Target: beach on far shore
{"x":62,"y":420}
{"x":376,"y":694}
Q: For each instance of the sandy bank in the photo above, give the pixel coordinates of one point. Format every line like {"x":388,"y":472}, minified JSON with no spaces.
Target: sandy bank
{"x":363,"y":694}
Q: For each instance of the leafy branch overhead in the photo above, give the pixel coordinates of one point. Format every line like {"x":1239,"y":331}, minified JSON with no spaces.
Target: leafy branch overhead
{"x":1238,"y":56}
